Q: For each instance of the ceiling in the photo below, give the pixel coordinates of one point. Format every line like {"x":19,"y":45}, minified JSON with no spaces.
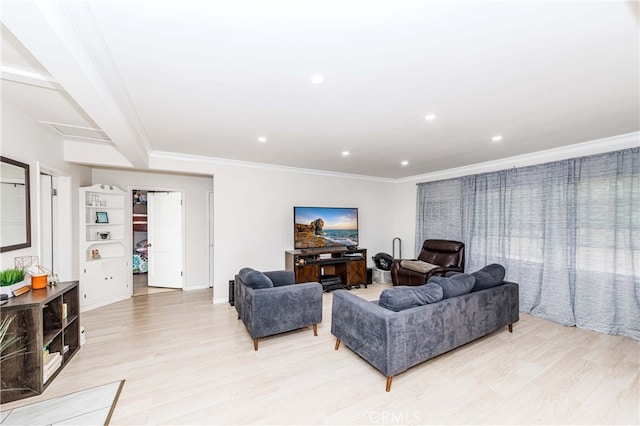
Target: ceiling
{"x":208,"y":78}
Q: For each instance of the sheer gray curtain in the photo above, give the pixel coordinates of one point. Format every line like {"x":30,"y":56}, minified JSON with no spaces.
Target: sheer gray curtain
{"x":568,"y":232}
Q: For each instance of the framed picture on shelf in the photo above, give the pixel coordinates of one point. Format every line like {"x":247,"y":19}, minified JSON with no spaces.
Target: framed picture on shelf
{"x":102,"y":217}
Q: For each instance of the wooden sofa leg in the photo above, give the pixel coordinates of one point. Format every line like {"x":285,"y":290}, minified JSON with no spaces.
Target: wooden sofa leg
{"x":315,"y":329}
{"x":255,"y":344}
{"x":337,"y":344}
{"x":389,"y":383}
{"x":510,"y":328}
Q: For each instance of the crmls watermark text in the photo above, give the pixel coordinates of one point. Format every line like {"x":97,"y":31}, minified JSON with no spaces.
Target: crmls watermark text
{"x":394,"y":417}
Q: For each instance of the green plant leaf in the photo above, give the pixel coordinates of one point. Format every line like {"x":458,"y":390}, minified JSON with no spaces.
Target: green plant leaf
{"x":11,"y":276}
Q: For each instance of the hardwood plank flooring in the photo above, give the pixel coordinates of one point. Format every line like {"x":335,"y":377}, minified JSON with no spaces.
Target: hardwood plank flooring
{"x":188,"y":361}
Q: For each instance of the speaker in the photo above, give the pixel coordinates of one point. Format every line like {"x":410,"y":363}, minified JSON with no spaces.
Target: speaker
{"x":232,"y":293}
{"x":369,"y":275}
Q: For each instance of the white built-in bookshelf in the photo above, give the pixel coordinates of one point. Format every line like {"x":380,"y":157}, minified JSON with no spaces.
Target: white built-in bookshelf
{"x":105,"y":241}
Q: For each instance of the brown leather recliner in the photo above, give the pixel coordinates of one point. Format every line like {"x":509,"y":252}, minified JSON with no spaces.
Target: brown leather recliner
{"x":448,"y":255}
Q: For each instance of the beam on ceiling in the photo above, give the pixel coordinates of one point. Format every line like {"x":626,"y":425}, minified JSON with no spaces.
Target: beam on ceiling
{"x":63,"y":37}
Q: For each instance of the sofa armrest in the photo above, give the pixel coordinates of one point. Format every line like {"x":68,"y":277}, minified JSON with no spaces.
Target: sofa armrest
{"x":269,"y":311}
{"x":367,"y":328}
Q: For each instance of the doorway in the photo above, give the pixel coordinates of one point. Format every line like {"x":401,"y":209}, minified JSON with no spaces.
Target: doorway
{"x":157,"y":241}
{"x":47,"y":221}
{"x":54,"y":221}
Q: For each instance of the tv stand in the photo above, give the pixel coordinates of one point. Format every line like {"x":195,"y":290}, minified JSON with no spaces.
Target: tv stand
{"x":310,"y":264}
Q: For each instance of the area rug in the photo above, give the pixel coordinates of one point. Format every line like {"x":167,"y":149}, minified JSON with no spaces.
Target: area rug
{"x":93,"y":406}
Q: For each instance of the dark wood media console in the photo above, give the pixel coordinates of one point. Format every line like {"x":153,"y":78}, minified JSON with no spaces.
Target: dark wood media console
{"x":46,"y":319}
{"x":310,"y":264}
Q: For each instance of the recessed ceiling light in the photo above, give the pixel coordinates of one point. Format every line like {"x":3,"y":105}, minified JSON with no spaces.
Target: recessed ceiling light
{"x":345,"y":153}
{"x":496,"y":138}
{"x":316,"y":79}
{"x":404,"y":163}
{"x":430,"y":117}
{"x":262,"y":139}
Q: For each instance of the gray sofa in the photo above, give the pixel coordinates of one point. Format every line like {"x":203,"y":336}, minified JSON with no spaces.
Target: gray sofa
{"x":271,"y":302}
{"x":419,"y":323}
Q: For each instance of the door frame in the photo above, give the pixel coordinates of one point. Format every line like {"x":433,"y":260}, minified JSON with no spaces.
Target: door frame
{"x":129,"y":222}
{"x":210,"y":254}
{"x":63,"y":228}
{"x":47,"y":212}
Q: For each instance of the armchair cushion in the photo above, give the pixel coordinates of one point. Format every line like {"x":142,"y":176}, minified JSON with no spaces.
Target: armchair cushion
{"x":404,"y":297}
{"x":254,"y":279}
{"x":489,"y":276}
{"x":280,"y":278}
{"x":417,"y":265}
{"x":456,"y":285}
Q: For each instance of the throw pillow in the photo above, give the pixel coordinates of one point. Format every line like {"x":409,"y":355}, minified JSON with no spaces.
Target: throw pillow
{"x":417,"y":265}
{"x":489,"y":276}
{"x":254,"y":279}
{"x":405,"y":297}
{"x":456,"y":285}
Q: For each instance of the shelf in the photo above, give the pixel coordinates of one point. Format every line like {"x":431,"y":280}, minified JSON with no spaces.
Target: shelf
{"x":68,"y":320}
{"x":108,"y":278}
{"x":103,"y":207}
{"x":50,"y":337}
{"x":328,"y":261}
{"x":103,"y":258}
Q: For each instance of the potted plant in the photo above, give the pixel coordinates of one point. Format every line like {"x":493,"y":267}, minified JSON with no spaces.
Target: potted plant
{"x":10,"y":280}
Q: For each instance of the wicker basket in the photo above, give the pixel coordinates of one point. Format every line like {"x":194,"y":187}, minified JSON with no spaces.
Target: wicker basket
{"x":381,"y":277}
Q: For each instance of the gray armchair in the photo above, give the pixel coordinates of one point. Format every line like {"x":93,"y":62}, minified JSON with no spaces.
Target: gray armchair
{"x":271,"y":302}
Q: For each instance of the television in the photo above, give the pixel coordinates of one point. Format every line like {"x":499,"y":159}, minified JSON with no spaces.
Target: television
{"x":317,"y":227}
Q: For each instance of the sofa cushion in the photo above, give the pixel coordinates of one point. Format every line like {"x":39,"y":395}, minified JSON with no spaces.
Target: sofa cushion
{"x":254,"y":279}
{"x":489,"y":276}
{"x":456,"y":285}
{"x":406,"y":297}
{"x":417,"y":266}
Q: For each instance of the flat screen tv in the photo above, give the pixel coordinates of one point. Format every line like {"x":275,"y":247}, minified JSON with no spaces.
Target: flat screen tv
{"x":316,"y":227}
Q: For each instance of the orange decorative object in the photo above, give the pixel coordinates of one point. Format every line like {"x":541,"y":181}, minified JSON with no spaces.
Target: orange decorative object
{"x":39,"y":281}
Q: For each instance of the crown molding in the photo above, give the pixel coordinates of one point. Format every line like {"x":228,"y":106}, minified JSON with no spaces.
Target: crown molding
{"x":215,"y":161}
{"x":583,"y":149}
{"x":613,"y":143}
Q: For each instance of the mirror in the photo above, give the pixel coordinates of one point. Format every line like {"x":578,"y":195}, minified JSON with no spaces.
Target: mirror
{"x":15,"y":212}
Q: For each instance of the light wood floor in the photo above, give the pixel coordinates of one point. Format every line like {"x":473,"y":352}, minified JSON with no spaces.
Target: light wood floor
{"x":140,"y":287}
{"x":187,"y":361}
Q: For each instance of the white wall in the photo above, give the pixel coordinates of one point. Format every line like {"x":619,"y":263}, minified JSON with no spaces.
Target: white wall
{"x":32,"y":143}
{"x":196,"y":189}
{"x":253,"y":212}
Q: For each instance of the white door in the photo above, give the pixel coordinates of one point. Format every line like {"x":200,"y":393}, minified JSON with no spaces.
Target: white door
{"x":164,"y":235}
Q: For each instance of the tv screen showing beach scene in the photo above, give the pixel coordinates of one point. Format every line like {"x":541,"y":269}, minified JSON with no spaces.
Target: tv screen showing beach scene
{"x":316,"y":227}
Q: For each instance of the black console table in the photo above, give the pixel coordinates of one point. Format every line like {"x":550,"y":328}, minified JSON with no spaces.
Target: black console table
{"x":311,"y":264}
